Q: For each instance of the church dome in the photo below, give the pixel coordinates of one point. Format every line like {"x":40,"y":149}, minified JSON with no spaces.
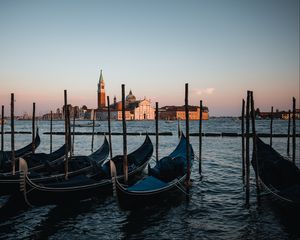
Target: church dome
{"x":130,"y":98}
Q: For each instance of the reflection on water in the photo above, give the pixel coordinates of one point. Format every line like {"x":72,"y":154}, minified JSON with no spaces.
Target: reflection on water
{"x":215,"y":209}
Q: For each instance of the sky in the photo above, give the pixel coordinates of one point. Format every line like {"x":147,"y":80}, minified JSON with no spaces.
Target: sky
{"x":221,"y":48}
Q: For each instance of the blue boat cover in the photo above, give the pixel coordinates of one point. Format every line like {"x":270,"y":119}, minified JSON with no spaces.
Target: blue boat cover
{"x":147,"y":184}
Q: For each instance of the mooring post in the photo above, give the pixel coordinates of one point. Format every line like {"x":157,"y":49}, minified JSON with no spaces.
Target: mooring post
{"x":200,"y":139}
{"x":289,"y":135}
{"x":66,"y":135}
{"x":109,"y":129}
{"x":51,"y":126}
{"x":73,"y":132}
{"x":93,"y":131}
{"x":2,"y":128}
{"x":12,"y":123}
{"x":69,"y":130}
{"x":188,"y":174}
{"x":294,"y":131}
{"x":33,"y":127}
{"x":271,"y":127}
{"x":178,"y":127}
{"x":125,"y":167}
{"x":254,"y":157}
{"x":243,"y":140}
{"x":156,"y":130}
{"x":247,"y":149}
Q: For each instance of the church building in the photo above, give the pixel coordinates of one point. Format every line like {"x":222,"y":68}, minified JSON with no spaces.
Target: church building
{"x":135,"y":109}
{"x":101,"y":92}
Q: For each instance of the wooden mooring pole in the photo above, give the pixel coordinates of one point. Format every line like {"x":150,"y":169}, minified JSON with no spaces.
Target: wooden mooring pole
{"x":187,"y":133}
{"x":12,"y":123}
{"x":109,"y":128}
{"x":178,"y":127}
{"x":288,"y":135}
{"x":33,"y":127}
{"x":294,"y":132}
{"x":271,"y":127}
{"x":66,"y":135}
{"x":125,"y":166}
{"x":247,"y":149}
{"x":2,"y":128}
{"x":73,"y":133}
{"x":51,"y":129}
{"x":243,"y":140}
{"x":200,"y":139}
{"x":156,"y":130}
{"x":69,"y":130}
{"x":254,"y":157}
{"x":93,"y":131}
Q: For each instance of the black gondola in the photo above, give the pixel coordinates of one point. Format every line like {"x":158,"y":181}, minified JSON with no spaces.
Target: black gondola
{"x":86,"y":186}
{"x":6,"y":155}
{"x":278,"y":176}
{"x":47,"y":172}
{"x":166,"y":177}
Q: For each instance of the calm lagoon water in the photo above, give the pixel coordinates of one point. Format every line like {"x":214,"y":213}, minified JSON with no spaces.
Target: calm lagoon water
{"x":216,"y":208}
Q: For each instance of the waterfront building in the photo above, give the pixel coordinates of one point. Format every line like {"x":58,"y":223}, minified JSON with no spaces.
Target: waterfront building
{"x":285,"y":115}
{"x":178,"y":112}
{"x":134,"y":109}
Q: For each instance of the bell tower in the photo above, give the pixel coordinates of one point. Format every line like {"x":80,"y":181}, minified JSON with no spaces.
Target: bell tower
{"x":101,"y":92}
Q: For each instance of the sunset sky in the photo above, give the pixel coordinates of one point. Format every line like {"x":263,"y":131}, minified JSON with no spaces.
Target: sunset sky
{"x":221,"y":48}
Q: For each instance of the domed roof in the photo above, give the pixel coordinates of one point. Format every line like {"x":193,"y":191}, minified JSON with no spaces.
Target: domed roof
{"x":130,"y":97}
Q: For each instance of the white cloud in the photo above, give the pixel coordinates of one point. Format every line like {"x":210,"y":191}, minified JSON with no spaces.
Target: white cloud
{"x":204,"y":91}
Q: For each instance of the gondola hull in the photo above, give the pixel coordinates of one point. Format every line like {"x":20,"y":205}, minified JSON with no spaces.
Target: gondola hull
{"x":165,"y":182}
{"x":25,"y":150}
{"x":279,"y":177}
{"x":129,"y":200}
{"x":82,"y":186}
{"x":49,"y":173}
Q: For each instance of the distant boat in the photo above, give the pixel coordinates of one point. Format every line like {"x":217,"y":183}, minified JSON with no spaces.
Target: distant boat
{"x":168,"y":121}
{"x":89,"y":124}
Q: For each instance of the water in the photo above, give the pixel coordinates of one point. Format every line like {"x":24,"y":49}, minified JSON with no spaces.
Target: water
{"x":216,"y":208}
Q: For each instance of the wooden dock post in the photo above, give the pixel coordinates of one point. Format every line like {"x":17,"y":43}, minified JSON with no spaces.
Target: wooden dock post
{"x":12,"y":123}
{"x":243,"y":140}
{"x":66,"y":135}
{"x":73,"y":133}
{"x":69,"y":130}
{"x":2,"y":128}
{"x":271,"y":127}
{"x":109,"y":128}
{"x":125,"y":166}
{"x":294,"y":131}
{"x":288,"y":135}
{"x":255,"y":148}
{"x":247,"y":149}
{"x":33,"y":127}
{"x":93,"y":131}
{"x":156,"y":130}
{"x":187,"y":127}
{"x":178,"y":127}
{"x":200,"y":139}
{"x":51,"y":127}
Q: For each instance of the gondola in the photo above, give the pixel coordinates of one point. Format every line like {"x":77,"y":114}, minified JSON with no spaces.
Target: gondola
{"x":47,"y":172}
{"x":36,"y":161}
{"x":278,"y":176}
{"x":6,"y":155}
{"x":85,"y":186}
{"x":165,"y":178}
